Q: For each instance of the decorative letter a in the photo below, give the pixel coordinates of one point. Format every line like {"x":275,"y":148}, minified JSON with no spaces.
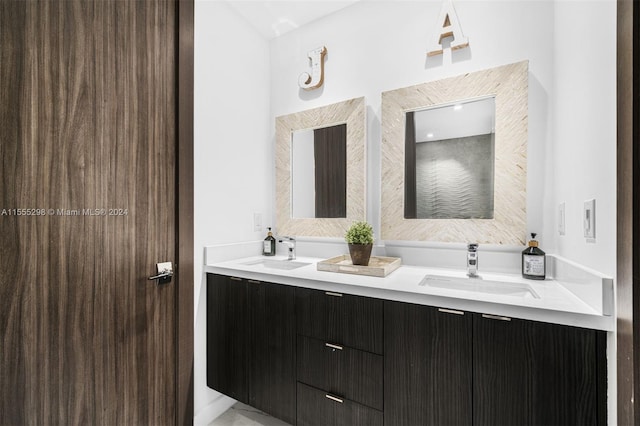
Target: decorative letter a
{"x":449,"y":26}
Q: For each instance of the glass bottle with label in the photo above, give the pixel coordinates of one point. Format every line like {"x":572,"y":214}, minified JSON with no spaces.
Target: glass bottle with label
{"x":269,"y":245}
{"x":533,"y":261}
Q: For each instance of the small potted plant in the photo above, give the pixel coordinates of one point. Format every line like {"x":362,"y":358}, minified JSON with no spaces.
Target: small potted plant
{"x":359,"y":237}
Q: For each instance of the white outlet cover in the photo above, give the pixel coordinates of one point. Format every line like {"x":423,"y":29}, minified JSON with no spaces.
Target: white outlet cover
{"x":257,"y":222}
{"x":589,"y":219}
{"x":561,"y":218}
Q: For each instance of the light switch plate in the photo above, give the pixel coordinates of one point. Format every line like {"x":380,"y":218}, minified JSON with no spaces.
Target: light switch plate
{"x":589,"y":219}
{"x":257,"y":222}
{"x":561,"y":219}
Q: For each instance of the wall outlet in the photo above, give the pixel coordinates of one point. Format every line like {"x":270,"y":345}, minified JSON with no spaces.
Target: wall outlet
{"x":257,"y":222}
{"x":589,"y":219}
{"x":561,"y":217}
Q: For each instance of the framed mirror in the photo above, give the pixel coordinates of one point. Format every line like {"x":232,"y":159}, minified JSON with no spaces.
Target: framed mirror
{"x":454,"y":158}
{"x":320,"y":169}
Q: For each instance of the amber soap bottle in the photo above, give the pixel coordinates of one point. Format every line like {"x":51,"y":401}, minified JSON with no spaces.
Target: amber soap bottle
{"x":534,"y":263}
{"x":269,"y":245}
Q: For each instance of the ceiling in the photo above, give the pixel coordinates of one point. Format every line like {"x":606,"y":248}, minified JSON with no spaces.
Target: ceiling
{"x":274,"y":18}
{"x":458,"y":120}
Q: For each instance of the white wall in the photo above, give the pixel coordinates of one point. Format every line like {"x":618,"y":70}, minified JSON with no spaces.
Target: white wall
{"x":379,"y":46}
{"x":584,"y":139}
{"x":233,"y":154}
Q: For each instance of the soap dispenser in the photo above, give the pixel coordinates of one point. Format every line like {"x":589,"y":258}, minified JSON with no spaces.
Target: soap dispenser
{"x":269,"y":245}
{"x":533,"y":261}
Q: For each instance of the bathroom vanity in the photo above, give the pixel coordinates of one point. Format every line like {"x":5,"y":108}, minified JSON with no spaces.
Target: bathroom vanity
{"x":321,"y":348}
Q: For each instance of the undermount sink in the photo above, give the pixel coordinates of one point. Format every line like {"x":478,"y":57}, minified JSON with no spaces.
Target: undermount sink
{"x":480,"y":285}
{"x":277,"y":264}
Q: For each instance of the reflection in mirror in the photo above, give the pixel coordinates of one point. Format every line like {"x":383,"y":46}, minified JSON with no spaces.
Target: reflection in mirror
{"x":319,"y":172}
{"x":449,"y":161}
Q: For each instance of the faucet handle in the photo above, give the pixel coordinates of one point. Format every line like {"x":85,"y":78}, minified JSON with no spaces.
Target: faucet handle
{"x":472,"y":246}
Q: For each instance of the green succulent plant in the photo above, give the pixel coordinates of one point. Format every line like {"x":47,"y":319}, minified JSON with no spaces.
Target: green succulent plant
{"x":360,"y":232}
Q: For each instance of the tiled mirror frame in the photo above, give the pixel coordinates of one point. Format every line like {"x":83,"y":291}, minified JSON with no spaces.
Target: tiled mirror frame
{"x":509,"y":85}
{"x":351,"y":112}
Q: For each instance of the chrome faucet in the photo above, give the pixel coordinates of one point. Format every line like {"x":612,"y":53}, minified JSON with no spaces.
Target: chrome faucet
{"x":291,"y":244}
{"x":472,"y":260}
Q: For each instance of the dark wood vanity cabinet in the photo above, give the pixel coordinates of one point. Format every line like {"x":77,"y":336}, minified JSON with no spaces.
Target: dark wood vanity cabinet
{"x":427,"y":365}
{"x":533,"y":373}
{"x":344,"y":319}
{"x":251,"y":345}
{"x":272,"y":360}
{"x":228,"y":336}
{"x":340,"y":370}
{"x":459,"y":368}
{"x":312,"y":357}
{"x":318,"y":408}
{"x":340,"y":363}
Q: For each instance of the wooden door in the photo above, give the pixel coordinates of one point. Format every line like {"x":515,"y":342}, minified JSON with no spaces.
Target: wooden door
{"x":88,"y":137}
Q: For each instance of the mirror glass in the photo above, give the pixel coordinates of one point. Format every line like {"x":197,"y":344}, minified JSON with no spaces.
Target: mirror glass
{"x":319,"y":172}
{"x":449,"y":161}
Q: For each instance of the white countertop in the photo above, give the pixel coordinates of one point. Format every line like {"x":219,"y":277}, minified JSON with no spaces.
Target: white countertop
{"x":556,"y":303}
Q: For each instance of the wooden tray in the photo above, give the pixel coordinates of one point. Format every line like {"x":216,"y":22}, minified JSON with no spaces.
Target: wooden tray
{"x":378,"y":266}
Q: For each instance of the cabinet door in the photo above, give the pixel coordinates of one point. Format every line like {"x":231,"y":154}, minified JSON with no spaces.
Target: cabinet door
{"x":272,"y":379}
{"x":531,"y":373}
{"x":353,"y":321}
{"x":427,"y":365}
{"x":227,"y":336}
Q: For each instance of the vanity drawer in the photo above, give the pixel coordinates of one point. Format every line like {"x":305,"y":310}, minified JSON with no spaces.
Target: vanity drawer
{"x":316,"y":407}
{"x":340,"y":370}
{"x":343,"y":319}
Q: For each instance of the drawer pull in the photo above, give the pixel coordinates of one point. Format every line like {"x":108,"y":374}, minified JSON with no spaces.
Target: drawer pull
{"x":496,"y":317}
{"x":450,"y":311}
{"x":254,"y":282}
{"x":235,"y":278}
{"x":332,"y":346}
{"x":330,"y":293}
{"x":333,"y":398}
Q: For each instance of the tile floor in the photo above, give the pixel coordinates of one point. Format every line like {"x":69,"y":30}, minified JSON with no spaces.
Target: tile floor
{"x":243,"y":415}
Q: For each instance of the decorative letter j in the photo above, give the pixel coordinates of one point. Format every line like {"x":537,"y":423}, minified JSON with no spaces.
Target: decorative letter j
{"x":316,"y":78}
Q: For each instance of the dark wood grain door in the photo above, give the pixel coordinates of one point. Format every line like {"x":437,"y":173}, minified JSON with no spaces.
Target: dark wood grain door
{"x":87,"y":202}
{"x":272,"y":349}
{"x":427,"y":365}
{"x":532,"y":373}
{"x":228,"y":336}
